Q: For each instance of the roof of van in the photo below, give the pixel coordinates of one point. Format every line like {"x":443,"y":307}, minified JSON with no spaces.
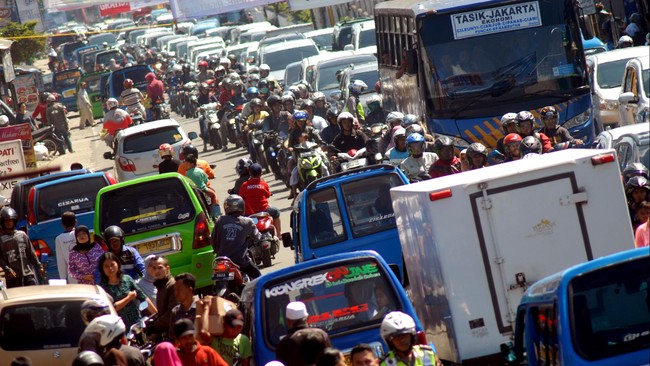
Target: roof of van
{"x":275,"y":47}
{"x":619,"y":54}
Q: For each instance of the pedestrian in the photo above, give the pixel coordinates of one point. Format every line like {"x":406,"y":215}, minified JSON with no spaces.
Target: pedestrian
{"x":185,"y":308}
{"x":56,"y":116}
{"x":122,"y":288}
{"x":83,"y":257}
{"x":331,"y":357}
{"x":165,"y":354}
{"x":41,"y":109}
{"x":642,"y":234}
{"x":64,"y":242}
{"x":17,"y":256}
{"x":232,"y":345}
{"x":165,"y":298}
{"x":255,"y":192}
{"x":302,"y":344}
{"x":23,"y":117}
{"x":363,"y":355}
{"x":130,"y":260}
{"x":85,"y":107}
{"x":190,"y":351}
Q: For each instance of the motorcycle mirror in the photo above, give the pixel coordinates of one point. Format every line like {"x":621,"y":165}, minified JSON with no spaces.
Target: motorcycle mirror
{"x":108,"y":155}
{"x":286,"y":240}
{"x":192,"y":135}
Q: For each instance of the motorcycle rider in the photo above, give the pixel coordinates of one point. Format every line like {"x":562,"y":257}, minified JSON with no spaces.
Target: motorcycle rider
{"x":398,"y":331}
{"x":114,"y":120}
{"x":448,"y":163}
{"x":318,"y":122}
{"x":155,"y":93}
{"x":17,"y":257}
{"x":559,"y":136}
{"x":130,"y":259}
{"x":530,"y":146}
{"x":278,"y":119}
{"x":274,"y":86}
{"x":321,"y":105}
{"x":377,"y":113}
{"x":300,"y":127}
{"x":511,"y":145}
{"x":56,"y":116}
{"x":251,"y":93}
{"x":204,"y":73}
{"x":263,"y":86}
{"x":255,"y":119}
{"x":634,"y":170}
{"x":111,"y":332}
{"x":168,"y":164}
{"x":333,"y":129}
{"x":255,"y":192}
{"x":232,"y":233}
{"x":353,"y":104}
{"x":187,"y":75}
{"x":508,"y":125}
{"x":476,"y":156}
{"x":526,"y":122}
{"x":132,"y":98}
{"x":235,"y":65}
{"x":399,"y":152}
{"x":393,"y":119}
{"x":242,"y":170}
{"x":204,"y":165}
{"x":349,"y":138}
{"x":288,"y":102}
{"x":417,"y":165}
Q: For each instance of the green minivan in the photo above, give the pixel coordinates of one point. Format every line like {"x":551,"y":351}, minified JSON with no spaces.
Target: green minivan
{"x":164,"y":214}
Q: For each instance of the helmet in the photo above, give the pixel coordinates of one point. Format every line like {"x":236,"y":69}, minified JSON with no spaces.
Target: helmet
{"x":242,"y":165}
{"x":109,"y":328}
{"x":44,"y":97}
{"x":302,"y":87}
{"x":374,"y":102}
{"x":357,"y":86}
{"x":113,"y":231}
{"x":233,"y":204}
{"x":225,"y":62}
{"x":252,"y":91}
{"x":307,"y":103}
{"x":316,"y":96}
{"x":344,"y":115}
{"x":512,"y":138}
{"x":234,"y":76}
{"x":253,"y":78}
{"x":295,"y":91}
{"x":265,"y":67}
{"x":507,"y":119}
{"x":186,"y":67}
{"x":477,"y":148}
{"x":288,"y":97}
{"x":530,"y":145}
{"x":548,"y":112}
{"x":112,"y":103}
{"x":165,"y":150}
{"x":394,"y":117}
{"x":219,"y":69}
{"x":238,"y":85}
{"x":400,"y":132}
{"x":396,"y":323}
{"x":88,"y":358}
{"x":190,"y":149}
{"x":253,"y":69}
{"x":414,"y":137}
{"x":525,"y":116}
{"x":273,"y":99}
{"x":128,"y":83}
{"x":8,"y":213}
{"x":300,"y":115}
{"x":4,"y":121}
{"x":636,"y":182}
{"x":256,"y":102}
{"x":333,"y":112}
{"x":177,"y":68}
{"x":409,"y":119}
{"x":203,"y":86}
{"x":625,"y":39}
{"x":634,"y":170}
{"x":232,"y":57}
{"x":442,"y":141}
{"x":416,"y":128}
{"x":92,"y":308}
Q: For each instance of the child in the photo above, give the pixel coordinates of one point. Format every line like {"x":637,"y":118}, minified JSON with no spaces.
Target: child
{"x":83,"y":258}
{"x":199,"y":178}
{"x":642,"y":233}
{"x":64,"y":243}
{"x":256,"y":193}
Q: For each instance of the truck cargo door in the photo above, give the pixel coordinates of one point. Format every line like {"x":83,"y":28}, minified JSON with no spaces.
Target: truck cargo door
{"x":527,"y":231}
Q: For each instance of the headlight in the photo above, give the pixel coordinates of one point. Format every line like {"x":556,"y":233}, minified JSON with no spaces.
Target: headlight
{"x":578,"y":120}
{"x":611,"y":105}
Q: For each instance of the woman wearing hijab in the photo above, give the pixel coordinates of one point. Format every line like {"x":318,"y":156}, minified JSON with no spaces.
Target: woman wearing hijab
{"x":146,"y":282}
{"x":82,"y":264}
{"x":165,"y":354}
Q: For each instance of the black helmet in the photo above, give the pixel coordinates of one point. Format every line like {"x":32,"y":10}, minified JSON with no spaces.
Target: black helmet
{"x":92,"y":308}
{"x":634,"y":170}
{"x":272,"y":99}
{"x":442,"y":141}
{"x":636,"y":182}
{"x":409,"y":120}
{"x":256,"y":102}
{"x":87,"y":358}
{"x":530,"y":145}
{"x":333,"y":112}
{"x":233,"y":204}
{"x":190,"y":149}
{"x":8,"y":213}
{"x":186,"y":67}
{"x":113,"y":231}
{"x":243,"y":165}
{"x":307,"y":103}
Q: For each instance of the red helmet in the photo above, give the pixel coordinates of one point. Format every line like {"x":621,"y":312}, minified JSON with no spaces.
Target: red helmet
{"x":512,"y":138}
{"x":165,"y":150}
{"x":203,"y":64}
{"x":128,"y":83}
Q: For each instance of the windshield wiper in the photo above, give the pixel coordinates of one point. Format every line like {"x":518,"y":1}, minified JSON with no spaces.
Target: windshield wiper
{"x":497,"y":89}
{"x":559,"y":94}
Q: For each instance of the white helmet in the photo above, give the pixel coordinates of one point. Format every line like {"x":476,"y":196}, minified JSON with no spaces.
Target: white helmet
{"x":373,"y":99}
{"x":394,"y":117}
{"x":399,"y":133}
{"x":109,"y":327}
{"x":225,"y":62}
{"x":112,"y":103}
{"x":344,"y":115}
{"x":177,"y":68}
{"x":4,"y":121}
{"x":357,"y":86}
{"x":508,"y":118}
{"x":396,"y":323}
{"x":264,"y":67}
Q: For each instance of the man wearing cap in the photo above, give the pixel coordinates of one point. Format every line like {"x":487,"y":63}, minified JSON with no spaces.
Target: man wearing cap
{"x":302,"y":345}
{"x":56,"y":117}
{"x":190,"y":351}
{"x":234,"y":347}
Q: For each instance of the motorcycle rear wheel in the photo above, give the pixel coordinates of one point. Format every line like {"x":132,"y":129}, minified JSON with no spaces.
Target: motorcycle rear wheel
{"x":51,"y":145}
{"x":266,"y":257}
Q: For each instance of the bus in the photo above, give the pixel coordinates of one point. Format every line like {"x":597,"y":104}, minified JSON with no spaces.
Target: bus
{"x":463,"y":64}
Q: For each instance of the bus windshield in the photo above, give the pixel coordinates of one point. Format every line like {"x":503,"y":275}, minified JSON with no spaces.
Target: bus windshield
{"x":474,"y":68}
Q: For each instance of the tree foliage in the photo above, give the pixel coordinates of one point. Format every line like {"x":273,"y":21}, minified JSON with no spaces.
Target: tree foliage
{"x":23,"y":50}
{"x":301,"y":16}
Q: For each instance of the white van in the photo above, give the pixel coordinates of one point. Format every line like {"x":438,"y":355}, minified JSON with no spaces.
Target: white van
{"x":634,"y":100}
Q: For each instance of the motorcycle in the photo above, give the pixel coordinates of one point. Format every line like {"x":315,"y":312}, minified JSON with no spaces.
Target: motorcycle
{"x":210,"y":118}
{"x":160,"y":110}
{"x":137,"y":118}
{"x":264,"y":249}
{"x":138,"y":335}
{"x":256,"y":141}
{"x":275,"y":154}
{"x":229,"y":280}
{"x":231,"y":119}
{"x":311,"y":164}
{"x":48,"y":138}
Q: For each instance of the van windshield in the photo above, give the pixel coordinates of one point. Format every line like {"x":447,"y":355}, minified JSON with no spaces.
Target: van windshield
{"x":146,"y":206}
{"x":339,"y":298}
{"x":600,"y":329}
{"x":76,"y":195}
{"x":280,"y":59}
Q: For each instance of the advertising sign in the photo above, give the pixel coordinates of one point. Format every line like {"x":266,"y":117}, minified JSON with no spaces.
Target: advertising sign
{"x":12,"y":161}
{"x":183,"y":10}
{"x":496,"y":20}
{"x":28,"y":11}
{"x":22,"y":132}
{"x":27,"y":90}
{"x":114,"y":8}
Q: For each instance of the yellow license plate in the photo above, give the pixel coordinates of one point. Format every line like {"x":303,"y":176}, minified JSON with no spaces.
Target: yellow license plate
{"x":154,"y":246}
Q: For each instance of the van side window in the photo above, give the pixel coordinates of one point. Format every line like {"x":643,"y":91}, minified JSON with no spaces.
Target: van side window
{"x":546,"y":347}
{"x":324,"y":219}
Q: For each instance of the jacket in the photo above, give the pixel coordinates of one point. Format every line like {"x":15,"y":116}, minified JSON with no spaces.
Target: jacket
{"x":165,"y":303}
{"x":424,"y":356}
{"x":230,"y":238}
{"x":17,"y":253}
{"x":201,"y":355}
{"x":301,"y":346}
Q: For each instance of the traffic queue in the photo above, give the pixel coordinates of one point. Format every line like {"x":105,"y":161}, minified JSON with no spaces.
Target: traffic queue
{"x":409,"y":248}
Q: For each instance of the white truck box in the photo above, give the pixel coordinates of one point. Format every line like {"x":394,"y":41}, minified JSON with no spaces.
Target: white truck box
{"x":474,"y":241}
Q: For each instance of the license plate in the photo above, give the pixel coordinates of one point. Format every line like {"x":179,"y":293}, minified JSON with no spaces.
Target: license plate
{"x":223,"y":276}
{"x":154,"y":246}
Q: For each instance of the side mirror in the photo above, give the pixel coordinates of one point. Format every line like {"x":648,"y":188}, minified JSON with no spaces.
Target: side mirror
{"x":192,"y":135}
{"x":335,"y":95}
{"x":348,"y":47}
{"x":108,"y":155}
{"x":627,"y":98}
{"x":412,"y":61}
{"x":286,"y":240}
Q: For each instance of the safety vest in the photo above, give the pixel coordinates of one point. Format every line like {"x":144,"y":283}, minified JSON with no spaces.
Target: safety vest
{"x":424,"y":356}
{"x":361,"y":114}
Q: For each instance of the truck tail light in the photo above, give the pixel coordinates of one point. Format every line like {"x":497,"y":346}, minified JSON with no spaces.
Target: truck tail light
{"x":201,"y":232}
{"x":31,"y":215}
{"x":438,"y":195}
{"x":41,"y":247}
{"x":126,"y":165}
{"x":603,"y":158}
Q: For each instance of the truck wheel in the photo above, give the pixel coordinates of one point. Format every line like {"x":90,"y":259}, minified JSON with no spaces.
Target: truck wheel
{"x":266,"y":258}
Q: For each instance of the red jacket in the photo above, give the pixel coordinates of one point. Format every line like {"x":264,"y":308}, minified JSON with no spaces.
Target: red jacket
{"x":255,"y":193}
{"x":40,"y":110}
{"x":155,"y":90}
{"x":202,"y":355}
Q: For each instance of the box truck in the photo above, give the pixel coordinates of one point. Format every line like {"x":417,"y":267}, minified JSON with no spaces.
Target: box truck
{"x":473,"y":242}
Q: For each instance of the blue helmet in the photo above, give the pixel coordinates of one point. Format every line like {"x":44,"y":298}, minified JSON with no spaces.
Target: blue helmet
{"x":297,"y":115}
{"x":414,"y":137}
{"x":252,"y":90}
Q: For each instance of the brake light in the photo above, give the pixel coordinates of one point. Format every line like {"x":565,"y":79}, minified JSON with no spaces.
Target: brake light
{"x":221,"y":267}
{"x":201,"y":232}
{"x":239,"y":108}
{"x":445,"y":193}
{"x":41,"y":247}
{"x":31,"y":215}
{"x":110,"y":178}
{"x":602,"y":159}
{"x":421,"y":338}
{"x":126,"y":165}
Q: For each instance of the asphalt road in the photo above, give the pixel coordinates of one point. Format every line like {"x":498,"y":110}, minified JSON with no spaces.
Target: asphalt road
{"x":88,"y":150}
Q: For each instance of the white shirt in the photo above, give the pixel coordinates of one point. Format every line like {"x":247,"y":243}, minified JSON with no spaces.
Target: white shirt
{"x":63,"y":244}
{"x":414,"y":167}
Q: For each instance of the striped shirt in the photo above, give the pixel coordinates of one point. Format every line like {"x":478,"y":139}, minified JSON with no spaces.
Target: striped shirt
{"x":130,"y":97}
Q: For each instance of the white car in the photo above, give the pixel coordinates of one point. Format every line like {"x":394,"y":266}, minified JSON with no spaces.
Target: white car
{"x":281,"y":54}
{"x":630,"y":142}
{"x":136,"y":154}
{"x":606,"y":71}
{"x":364,"y":38}
{"x":634,"y":100}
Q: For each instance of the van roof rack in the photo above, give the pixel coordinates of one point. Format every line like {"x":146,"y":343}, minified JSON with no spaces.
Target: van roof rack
{"x":322,"y":180}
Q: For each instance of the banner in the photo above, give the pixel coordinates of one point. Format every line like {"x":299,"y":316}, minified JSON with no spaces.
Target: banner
{"x":22,"y":132}
{"x":296,"y":5}
{"x":144,"y":3}
{"x":27,"y":90}
{"x":185,"y":9}
{"x":114,"y":8}
{"x":28,"y":10}
{"x":12,"y":161}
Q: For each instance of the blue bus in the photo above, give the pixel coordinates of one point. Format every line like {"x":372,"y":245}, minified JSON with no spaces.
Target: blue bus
{"x":595,"y":313}
{"x":463,"y":64}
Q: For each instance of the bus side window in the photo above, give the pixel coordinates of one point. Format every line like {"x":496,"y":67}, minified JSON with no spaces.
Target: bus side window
{"x":545,"y":335}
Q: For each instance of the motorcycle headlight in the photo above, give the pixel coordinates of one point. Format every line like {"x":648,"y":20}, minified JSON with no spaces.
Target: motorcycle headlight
{"x":578,"y":120}
{"x":611,"y":105}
